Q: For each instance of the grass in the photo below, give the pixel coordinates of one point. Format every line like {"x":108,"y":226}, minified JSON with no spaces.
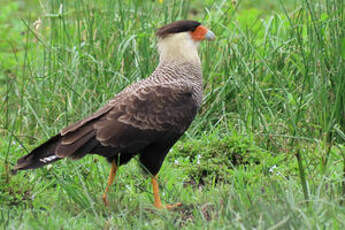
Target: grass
{"x":266,"y":151}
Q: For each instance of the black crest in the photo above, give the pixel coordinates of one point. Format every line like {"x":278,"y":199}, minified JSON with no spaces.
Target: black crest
{"x":177,"y":27}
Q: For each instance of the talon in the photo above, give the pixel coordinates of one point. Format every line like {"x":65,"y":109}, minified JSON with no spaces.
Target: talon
{"x":173,"y":206}
{"x":158,"y":203}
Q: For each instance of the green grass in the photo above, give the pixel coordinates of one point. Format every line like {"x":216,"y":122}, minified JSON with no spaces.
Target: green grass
{"x":266,"y":151}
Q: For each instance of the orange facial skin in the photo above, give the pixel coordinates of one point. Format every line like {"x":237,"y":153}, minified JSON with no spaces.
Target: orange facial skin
{"x":199,"y":33}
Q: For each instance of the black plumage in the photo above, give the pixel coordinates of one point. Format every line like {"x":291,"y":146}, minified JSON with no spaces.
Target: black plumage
{"x":177,"y":27}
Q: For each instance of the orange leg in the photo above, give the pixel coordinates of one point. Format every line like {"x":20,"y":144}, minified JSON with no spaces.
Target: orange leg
{"x":111,"y":177}
{"x":158,"y":203}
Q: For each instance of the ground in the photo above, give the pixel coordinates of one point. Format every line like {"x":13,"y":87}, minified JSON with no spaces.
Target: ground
{"x":265,"y":152}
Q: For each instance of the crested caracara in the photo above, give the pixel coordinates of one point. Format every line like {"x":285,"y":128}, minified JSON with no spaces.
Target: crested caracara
{"x":146,"y":118}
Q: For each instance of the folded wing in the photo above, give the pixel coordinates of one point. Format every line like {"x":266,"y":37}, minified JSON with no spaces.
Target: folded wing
{"x":131,"y":121}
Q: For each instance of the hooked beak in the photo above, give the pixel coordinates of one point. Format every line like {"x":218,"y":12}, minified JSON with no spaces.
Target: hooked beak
{"x":210,"y":35}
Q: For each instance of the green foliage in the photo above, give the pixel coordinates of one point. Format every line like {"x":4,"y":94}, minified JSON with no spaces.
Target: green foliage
{"x":10,"y":37}
{"x":274,"y":85}
{"x":211,"y":158}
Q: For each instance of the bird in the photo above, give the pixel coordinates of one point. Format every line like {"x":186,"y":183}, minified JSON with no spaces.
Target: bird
{"x":146,"y":118}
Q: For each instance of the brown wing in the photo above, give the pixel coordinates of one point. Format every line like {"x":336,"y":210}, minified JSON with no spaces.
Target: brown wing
{"x":132,"y":121}
{"x":81,"y":123}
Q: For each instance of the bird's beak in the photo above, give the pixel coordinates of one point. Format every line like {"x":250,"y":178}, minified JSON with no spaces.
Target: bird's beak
{"x":210,"y":35}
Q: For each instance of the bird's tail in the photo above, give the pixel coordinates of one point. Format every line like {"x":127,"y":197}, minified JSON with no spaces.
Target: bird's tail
{"x":40,"y":156}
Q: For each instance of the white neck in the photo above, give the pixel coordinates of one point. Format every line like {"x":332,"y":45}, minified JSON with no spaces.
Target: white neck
{"x":179,"y":47}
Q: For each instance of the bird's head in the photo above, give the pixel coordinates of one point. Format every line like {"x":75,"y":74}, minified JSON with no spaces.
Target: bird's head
{"x":178,"y":41}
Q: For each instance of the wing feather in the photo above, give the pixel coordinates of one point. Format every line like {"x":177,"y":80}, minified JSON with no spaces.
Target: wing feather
{"x":80,"y":123}
{"x":64,"y":150}
{"x":159,"y":108}
{"x":132,"y":120}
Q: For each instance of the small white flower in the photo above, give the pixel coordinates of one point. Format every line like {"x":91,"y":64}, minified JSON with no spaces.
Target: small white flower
{"x":176,"y":162}
{"x":198,"y":159}
{"x":272,"y":168}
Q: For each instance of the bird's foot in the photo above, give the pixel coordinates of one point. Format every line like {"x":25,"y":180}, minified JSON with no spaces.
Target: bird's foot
{"x":173,"y":206}
{"x":168,"y":206}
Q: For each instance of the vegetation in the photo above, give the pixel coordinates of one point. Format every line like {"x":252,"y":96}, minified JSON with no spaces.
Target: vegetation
{"x":266,"y":151}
